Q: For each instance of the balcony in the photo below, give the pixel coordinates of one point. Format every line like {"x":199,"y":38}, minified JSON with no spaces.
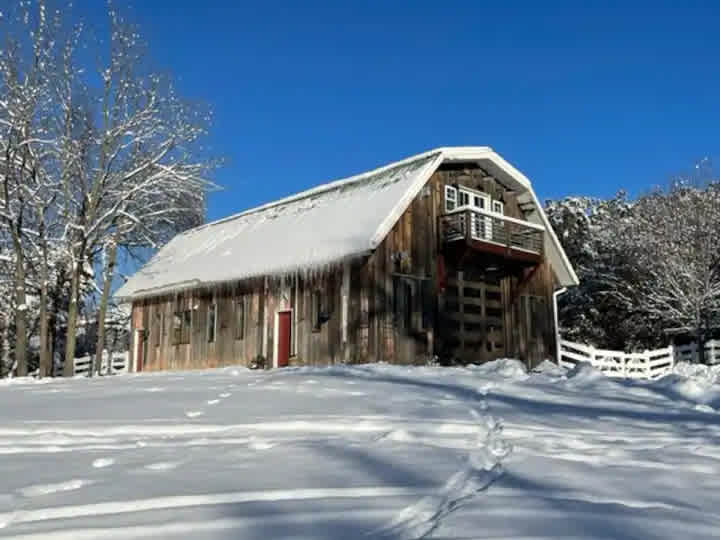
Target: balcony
{"x":485,"y":231}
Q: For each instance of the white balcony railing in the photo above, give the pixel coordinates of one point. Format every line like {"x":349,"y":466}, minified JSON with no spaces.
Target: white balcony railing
{"x":480,"y":225}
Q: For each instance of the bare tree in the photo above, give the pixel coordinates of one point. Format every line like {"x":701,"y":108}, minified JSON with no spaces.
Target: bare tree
{"x":25,"y":70}
{"x":89,"y":165}
{"x":140,"y":158}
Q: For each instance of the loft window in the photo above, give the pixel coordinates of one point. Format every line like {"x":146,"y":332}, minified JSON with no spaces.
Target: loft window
{"x":211,"y":322}
{"x":240,"y":319}
{"x":479,"y":202}
{"x":497,"y":207}
{"x":450,"y":198}
{"x":464,"y":198}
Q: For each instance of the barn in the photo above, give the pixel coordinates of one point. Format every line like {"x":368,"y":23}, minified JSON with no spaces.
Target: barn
{"x":447,"y":255}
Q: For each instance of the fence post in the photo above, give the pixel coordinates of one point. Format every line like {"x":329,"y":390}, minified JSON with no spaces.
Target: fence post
{"x":593,"y":356}
{"x":672,"y":358}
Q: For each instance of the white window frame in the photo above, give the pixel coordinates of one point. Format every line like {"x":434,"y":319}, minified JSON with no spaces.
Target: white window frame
{"x":472,"y":196}
{"x":451,"y":198}
{"x":498,"y":207}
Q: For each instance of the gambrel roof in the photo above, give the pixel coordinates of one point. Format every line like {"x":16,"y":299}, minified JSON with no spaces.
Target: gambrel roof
{"x":321,"y":226}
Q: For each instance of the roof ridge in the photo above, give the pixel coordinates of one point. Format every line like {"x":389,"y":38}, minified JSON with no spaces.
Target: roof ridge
{"x":316,"y":190}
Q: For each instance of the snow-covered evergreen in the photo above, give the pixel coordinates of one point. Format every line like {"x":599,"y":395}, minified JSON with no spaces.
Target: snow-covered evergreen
{"x":649,"y":268}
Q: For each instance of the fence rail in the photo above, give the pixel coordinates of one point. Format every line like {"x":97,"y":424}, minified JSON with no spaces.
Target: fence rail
{"x":119,"y":362}
{"x":643,"y":365}
{"x":688,"y":353}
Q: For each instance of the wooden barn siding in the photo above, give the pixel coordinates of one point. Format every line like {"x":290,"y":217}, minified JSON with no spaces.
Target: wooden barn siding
{"x":263,"y":302}
{"x":537,"y":281}
{"x":199,"y":353}
{"x":372,"y":333}
{"x":410,"y":248}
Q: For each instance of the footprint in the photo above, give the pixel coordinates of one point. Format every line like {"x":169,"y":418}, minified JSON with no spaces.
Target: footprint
{"x":213,"y":401}
{"x":49,"y":489}
{"x":163,"y":466}
{"x":225,"y":394}
{"x":103,"y":462}
{"x":193,"y":414}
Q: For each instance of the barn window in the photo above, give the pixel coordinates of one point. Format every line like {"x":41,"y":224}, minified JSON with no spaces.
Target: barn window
{"x":408,"y":305}
{"x":316,"y":311}
{"x":159,"y":331}
{"x":211,"y":322}
{"x":403,"y":302}
{"x":240,"y":319}
{"x":182,"y":323}
{"x":450,"y":198}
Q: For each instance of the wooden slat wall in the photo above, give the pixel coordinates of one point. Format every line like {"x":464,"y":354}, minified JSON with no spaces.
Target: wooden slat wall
{"x":411,"y":250}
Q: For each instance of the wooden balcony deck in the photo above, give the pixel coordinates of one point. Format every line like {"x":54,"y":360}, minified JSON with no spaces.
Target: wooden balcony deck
{"x":499,"y":235}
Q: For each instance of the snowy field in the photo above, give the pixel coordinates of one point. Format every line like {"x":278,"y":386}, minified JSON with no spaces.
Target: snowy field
{"x":361,"y":452}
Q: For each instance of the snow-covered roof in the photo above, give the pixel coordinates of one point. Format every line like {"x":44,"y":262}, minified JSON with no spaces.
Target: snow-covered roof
{"x":317,"y":227}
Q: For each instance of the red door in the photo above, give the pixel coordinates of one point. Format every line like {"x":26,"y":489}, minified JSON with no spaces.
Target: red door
{"x":283,"y":347}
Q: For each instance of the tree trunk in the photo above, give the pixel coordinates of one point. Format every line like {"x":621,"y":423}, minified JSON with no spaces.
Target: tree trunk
{"x":700,"y":337}
{"x":5,"y":361}
{"x":45,"y":358}
{"x":20,"y":317}
{"x":111,"y":254}
{"x":69,"y":364}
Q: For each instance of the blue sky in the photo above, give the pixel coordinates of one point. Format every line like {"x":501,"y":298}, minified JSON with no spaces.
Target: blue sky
{"x":584,"y":97}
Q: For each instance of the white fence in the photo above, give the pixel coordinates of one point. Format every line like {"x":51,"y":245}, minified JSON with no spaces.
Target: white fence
{"x":120,"y":363}
{"x":644,"y":365}
{"x":688,"y":353}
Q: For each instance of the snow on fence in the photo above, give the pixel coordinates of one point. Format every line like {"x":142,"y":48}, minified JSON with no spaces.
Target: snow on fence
{"x":643,"y":365}
{"x":688,"y":353}
{"x":120,"y":363}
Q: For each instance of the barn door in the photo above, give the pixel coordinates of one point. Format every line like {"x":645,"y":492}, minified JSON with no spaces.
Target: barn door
{"x":284,"y":335}
{"x":473,"y":329}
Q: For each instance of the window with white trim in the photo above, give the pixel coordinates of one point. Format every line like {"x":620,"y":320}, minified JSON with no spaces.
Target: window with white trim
{"x":497,"y":207}
{"x":464,"y":198}
{"x":450,"y":198}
